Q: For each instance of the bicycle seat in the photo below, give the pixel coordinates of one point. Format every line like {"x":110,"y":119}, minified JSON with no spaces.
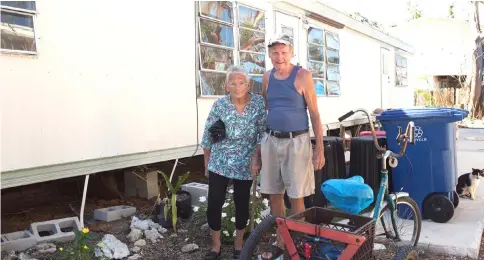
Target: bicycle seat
{"x":351,"y":195}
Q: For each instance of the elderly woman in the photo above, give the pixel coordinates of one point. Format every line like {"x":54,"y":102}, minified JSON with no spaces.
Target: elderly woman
{"x":233,"y":155}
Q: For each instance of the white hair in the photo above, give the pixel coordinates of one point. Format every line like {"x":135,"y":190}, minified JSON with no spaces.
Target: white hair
{"x":237,"y":70}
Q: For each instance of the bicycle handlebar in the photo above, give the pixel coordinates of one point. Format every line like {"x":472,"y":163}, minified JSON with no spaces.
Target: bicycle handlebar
{"x":408,"y":136}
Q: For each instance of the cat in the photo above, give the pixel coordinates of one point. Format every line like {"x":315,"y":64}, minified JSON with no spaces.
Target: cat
{"x":468,"y":183}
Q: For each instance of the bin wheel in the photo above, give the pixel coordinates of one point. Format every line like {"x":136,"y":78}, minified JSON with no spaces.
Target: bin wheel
{"x":456,"y":199}
{"x":439,"y":208}
{"x":406,"y":253}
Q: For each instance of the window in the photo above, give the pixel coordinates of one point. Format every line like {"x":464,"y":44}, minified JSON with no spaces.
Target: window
{"x":323,"y":61}
{"x":401,"y":71}
{"x":17,"y":30}
{"x":228,"y":38}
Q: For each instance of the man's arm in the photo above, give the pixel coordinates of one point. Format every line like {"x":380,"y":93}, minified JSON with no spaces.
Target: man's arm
{"x":265,"y":83}
{"x":307,"y":86}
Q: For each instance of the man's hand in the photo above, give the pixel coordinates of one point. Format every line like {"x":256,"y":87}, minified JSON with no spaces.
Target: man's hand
{"x":318,"y":158}
{"x":255,"y":165}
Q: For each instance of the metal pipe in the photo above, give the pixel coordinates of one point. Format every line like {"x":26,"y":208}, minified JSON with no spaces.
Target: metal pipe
{"x":83,"y":203}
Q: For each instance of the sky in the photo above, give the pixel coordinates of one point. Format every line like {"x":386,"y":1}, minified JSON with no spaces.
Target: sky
{"x":393,"y":12}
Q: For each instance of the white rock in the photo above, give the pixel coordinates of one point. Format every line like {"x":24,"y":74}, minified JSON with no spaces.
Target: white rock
{"x":162,"y":230}
{"x":135,"y":235}
{"x":153,"y":225}
{"x":134,"y":257}
{"x":140,"y":242}
{"x":181,"y":231}
{"x":113,"y":248}
{"x":189,"y":248}
{"x":140,"y":224}
{"x":205,"y":227}
{"x":46,"y":248}
{"x":135,"y":249}
{"x":24,"y":256}
{"x":152,"y":235}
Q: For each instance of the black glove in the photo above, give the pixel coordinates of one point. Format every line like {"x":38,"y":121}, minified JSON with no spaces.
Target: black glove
{"x":217,"y":131}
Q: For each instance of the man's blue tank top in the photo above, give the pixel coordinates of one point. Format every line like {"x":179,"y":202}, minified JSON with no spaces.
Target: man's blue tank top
{"x":287,"y":109}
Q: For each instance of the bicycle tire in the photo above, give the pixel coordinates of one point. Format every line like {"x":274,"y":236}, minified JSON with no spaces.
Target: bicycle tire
{"x":406,"y":253}
{"x":418,"y":221}
{"x":255,"y":236}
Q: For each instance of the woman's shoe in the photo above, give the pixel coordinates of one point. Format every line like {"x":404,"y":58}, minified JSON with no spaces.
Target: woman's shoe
{"x":237,"y":253}
{"x":212,"y":255}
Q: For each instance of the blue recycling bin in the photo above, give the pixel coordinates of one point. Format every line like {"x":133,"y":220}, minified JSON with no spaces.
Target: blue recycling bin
{"x":428,"y":172}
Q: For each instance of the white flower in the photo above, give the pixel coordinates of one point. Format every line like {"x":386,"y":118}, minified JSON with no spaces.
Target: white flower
{"x":202,"y":199}
{"x":225,"y":205}
{"x":257,"y":220}
{"x":235,"y":233}
{"x":232,"y":219}
{"x":196,"y":208}
{"x":231,"y":191}
{"x":257,"y":194}
{"x":224,"y":214}
{"x":226,"y":233}
{"x":265,"y":202}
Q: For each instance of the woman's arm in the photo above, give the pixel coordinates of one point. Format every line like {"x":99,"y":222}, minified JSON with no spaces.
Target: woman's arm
{"x":261,"y":127}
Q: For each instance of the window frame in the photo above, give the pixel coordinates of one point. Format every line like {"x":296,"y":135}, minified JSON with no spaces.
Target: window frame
{"x":236,"y":51}
{"x":325,"y":61}
{"x":25,"y":12}
{"x":397,"y":55}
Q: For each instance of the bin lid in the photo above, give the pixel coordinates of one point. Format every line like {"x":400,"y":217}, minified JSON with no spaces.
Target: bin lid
{"x":446,"y":114}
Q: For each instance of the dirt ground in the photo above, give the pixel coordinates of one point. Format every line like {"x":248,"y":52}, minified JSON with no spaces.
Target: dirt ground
{"x":59,"y":199}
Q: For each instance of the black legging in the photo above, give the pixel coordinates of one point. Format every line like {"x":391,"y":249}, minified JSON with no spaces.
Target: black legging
{"x":217,"y":187}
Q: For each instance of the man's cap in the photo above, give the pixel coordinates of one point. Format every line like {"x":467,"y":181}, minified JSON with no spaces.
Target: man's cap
{"x":282,"y":39}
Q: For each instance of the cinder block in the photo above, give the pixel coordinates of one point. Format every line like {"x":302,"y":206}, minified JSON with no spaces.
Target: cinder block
{"x":196,"y":191}
{"x":136,"y":186}
{"x":114,"y":213}
{"x":58,"y":230}
{"x":18,"y":241}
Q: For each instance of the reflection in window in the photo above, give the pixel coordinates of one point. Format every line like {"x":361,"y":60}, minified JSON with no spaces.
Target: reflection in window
{"x":332,"y":41}
{"x":17,"y":26}
{"x":333,"y":73}
{"x":251,"y":18}
{"x":215,"y":58}
{"x":212,"y":83}
{"x":333,"y":88}
{"x":216,"y":33}
{"x":256,"y":82}
{"x":252,"y":41}
{"x":220,"y":10}
{"x":333,"y":56}
{"x":401,"y":71}
{"x":319,"y":87}
{"x":288,"y":31}
{"x":315,"y":36}
{"x":316,"y":68}
{"x":253,"y":63}
{"x":316,"y":53}
{"x":217,"y":45}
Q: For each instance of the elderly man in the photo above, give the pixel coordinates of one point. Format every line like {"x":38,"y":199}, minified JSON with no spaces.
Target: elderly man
{"x":288,"y":159}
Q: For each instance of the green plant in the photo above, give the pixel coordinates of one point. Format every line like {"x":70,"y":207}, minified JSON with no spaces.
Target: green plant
{"x":170,"y":200}
{"x":82,"y":248}
{"x":228,"y":214}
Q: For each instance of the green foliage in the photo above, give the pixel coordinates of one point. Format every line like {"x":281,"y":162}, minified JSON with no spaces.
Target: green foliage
{"x":82,"y":248}
{"x":228,"y":214}
{"x":170,"y":203}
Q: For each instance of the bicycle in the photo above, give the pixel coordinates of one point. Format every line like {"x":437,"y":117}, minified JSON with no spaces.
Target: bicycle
{"x":358,"y":236}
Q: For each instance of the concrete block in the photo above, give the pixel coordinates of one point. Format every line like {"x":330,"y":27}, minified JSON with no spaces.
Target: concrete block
{"x":18,"y":241}
{"x":136,"y":186}
{"x":114,"y":213}
{"x":196,"y":191}
{"x":58,"y":230}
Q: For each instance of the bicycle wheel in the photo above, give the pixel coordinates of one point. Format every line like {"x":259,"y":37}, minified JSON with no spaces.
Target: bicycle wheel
{"x":407,"y":213}
{"x":264,"y":231}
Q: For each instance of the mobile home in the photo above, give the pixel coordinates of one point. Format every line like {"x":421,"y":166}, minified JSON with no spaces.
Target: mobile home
{"x":90,"y":86}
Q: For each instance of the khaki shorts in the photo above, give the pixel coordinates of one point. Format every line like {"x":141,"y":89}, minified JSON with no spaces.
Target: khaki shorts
{"x":287,"y":165}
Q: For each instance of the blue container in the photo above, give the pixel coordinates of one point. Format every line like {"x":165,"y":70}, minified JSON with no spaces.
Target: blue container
{"x":433,"y":157}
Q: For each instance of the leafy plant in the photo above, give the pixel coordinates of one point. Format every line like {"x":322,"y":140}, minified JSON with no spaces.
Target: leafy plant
{"x":170,"y":203}
{"x":81,"y":248}
{"x":228,"y":229}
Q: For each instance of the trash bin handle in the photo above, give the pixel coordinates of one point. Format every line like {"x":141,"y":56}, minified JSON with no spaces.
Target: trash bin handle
{"x":408,"y":136}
